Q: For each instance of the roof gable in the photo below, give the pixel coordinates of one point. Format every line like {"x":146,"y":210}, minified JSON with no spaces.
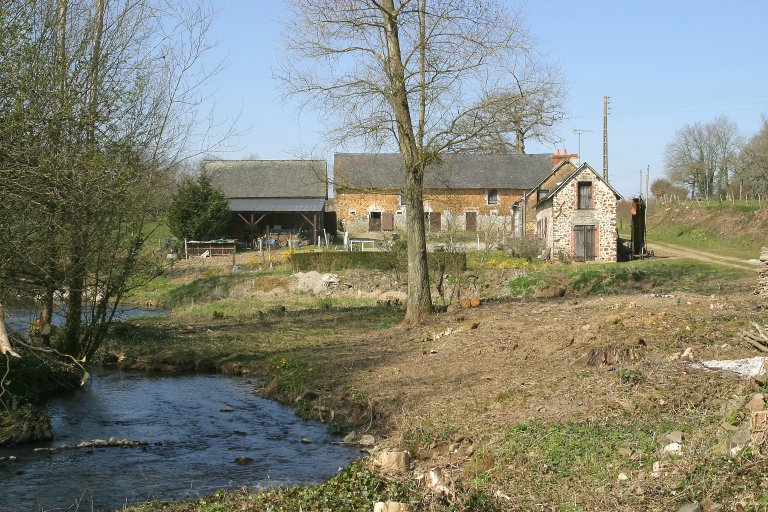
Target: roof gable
{"x":269,"y":178}
{"x":582,"y":167}
{"x":384,"y":171}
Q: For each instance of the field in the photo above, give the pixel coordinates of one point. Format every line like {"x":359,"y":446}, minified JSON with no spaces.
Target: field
{"x":555,"y":394}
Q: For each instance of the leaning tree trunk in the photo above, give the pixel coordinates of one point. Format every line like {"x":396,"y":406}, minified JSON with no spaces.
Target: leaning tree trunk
{"x":5,"y":343}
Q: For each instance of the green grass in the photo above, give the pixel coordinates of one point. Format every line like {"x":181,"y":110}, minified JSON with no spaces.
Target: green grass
{"x":707,"y":240}
{"x":736,"y":229}
{"x":354,"y":488}
{"x":612,"y":278}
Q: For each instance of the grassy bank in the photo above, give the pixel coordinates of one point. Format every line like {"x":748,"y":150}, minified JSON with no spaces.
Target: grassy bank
{"x":738,"y":229}
{"x":503,"y":398}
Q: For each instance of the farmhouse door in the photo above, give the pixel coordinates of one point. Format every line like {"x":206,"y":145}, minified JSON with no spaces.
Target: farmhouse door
{"x":584,"y":243}
{"x":471,"y":221}
{"x":374,"y":221}
{"x":434,"y":221}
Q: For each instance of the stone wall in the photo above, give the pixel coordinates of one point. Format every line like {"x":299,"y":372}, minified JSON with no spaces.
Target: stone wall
{"x":353,"y":208}
{"x":762,"y":274}
{"x":564,"y":214}
{"x":531,"y":214}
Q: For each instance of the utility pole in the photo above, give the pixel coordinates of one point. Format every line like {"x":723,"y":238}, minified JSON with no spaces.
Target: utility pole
{"x":605,"y":138}
{"x":579,"y":131}
{"x":647,"y":178}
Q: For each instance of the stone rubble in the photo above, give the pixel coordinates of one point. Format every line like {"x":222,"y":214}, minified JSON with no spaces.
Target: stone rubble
{"x":762,"y":273}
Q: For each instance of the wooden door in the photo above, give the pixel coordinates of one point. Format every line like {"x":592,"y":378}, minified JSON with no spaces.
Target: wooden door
{"x":584,"y":243}
{"x":387,"y":221}
{"x":471,"y":221}
{"x":434,"y":221}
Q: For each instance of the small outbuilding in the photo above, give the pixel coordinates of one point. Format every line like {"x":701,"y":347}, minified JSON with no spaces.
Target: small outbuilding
{"x":577,"y":219}
{"x":273,"y":198}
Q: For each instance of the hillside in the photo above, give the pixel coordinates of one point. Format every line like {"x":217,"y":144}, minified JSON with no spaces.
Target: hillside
{"x":737,"y":230}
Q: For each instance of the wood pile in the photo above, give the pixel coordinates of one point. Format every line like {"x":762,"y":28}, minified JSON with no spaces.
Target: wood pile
{"x":762,"y":274}
{"x":758,"y":338}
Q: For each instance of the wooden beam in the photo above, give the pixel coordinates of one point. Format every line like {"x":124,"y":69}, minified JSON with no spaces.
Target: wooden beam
{"x":251,"y":223}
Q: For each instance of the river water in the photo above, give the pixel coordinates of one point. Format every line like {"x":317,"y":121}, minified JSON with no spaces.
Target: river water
{"x":18,"y":319}
{"x":196,"y":426}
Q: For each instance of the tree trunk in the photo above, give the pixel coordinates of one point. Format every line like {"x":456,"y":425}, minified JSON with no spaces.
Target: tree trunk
{"x":419,"y":303}
{"x":74,"y":314}
{"x":46,"y":317}
{"x":5,"y":343}
{"x":419,"y":297}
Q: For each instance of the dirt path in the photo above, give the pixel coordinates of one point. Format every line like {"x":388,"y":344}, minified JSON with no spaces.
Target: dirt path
{"x":675,"y":251}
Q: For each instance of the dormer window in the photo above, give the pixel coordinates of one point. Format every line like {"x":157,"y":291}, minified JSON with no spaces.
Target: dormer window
{"x":493,"y":196}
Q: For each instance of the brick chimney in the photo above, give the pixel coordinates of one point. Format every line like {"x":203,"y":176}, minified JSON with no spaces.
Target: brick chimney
{"x":562,"y":155}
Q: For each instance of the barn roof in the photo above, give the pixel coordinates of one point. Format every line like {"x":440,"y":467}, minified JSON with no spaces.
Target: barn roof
{"x":281,"y":204}
{"x":269,"y":178}
{"x":384,"y":171}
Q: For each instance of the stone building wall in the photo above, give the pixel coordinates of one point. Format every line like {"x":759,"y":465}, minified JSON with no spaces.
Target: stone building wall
{"x":531,"y":216}
{"x":563,"y":215}
{"x":354,"y":207}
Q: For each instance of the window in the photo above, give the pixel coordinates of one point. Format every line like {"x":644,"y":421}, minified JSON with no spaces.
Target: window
{"x":374,"y":221}
{"x":542,"y":194}
{"x":493,"y":196}
{"x":352,"y":213}
{"x":400,"y":201}
{"x":585,"y":195}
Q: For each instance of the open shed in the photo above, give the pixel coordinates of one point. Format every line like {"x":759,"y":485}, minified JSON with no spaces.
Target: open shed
{"x":273,"y":198}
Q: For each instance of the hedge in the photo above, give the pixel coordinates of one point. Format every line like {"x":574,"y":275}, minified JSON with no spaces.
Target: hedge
{"x":332,"y":261}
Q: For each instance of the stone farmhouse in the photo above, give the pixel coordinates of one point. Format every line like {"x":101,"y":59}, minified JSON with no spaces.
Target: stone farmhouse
{"x":270,"y":198}
{"x":577,"y":218}
{"x":463,"y":192}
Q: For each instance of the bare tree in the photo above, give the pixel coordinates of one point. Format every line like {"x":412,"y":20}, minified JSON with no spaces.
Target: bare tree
{"x":529,"y":111}
{"x":98,"y":100}
{"x":410,"y":75}
{"x":753,"y":169}
{"x":704,"y":156}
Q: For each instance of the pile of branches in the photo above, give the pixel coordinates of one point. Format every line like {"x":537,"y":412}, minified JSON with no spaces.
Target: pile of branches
{"x":758,"y":337}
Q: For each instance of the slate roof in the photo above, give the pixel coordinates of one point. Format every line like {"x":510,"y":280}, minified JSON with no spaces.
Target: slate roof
{"x":384,"y":171}
{"x":269,"y":178}
{"x":270,"y":204}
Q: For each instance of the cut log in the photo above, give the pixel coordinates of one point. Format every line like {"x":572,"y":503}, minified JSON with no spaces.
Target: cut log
{"x":465,"y":303}
{"x":474,"y":301}
{"x":757,"y":338}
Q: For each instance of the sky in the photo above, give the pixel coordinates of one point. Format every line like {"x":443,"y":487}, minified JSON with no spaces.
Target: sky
{"x":663,"y":65}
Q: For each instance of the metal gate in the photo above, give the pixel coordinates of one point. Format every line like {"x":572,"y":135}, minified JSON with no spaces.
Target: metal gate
{"x":584,"y":240}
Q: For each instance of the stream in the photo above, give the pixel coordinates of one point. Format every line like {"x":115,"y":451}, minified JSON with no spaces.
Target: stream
{"x":195,"y":426}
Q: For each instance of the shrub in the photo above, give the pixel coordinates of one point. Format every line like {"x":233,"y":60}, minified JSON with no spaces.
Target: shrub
{"x":526,"y":247}
{"x":337,"y":260}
